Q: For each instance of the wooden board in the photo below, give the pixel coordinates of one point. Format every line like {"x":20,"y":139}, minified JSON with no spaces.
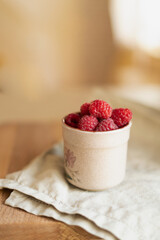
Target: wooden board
{"x":19,"y":144}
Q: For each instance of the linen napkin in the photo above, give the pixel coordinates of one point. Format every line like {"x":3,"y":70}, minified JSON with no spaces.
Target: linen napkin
{"x":129,"y":211}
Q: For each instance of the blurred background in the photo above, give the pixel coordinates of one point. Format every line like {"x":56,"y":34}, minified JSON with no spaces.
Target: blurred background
{"x":55,"y":55}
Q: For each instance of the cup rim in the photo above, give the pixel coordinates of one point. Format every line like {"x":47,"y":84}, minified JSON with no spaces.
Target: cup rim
{"x":96,"y":133}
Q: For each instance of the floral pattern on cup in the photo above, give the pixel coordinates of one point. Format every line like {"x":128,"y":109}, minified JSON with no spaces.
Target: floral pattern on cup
{"x":70,"y":160}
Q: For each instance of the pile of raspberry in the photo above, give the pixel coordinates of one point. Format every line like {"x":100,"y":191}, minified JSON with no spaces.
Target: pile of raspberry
{"x":99,"y":116}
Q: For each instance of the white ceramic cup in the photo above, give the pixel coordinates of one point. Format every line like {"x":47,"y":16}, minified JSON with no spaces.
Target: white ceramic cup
{"x":95,"y":160}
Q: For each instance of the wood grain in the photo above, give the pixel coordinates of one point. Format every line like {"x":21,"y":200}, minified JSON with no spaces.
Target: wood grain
{"x":19,"y":144}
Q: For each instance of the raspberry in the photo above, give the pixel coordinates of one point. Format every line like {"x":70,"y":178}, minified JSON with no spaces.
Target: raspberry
{"x":121,"y":116}
{"x":88,"y":123}
{"x":100,"y":109}
{"x":106,"y":125}
{"x":85,"y":109}
{"x":72,"y":120}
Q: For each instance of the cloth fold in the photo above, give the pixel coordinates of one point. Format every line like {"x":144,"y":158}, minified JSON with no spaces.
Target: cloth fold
{"x":129,"y":211}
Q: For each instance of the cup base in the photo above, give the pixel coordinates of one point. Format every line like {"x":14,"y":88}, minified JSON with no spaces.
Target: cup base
{"x":94,"y":190}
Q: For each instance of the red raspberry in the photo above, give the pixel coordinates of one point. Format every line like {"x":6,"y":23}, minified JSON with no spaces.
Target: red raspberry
{"x":106,"y":125}
{"x":100,"y":109}
{"x":88,"y":123}
{"x":72,"y":120}
{"x":121,"y":116}
{"x":85,"y":109}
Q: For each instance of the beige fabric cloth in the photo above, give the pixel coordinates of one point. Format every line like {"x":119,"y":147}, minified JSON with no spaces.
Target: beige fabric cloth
{"x":130,"y":211}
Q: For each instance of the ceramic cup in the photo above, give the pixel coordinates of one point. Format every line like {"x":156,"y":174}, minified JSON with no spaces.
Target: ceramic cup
{"x":95,"y":160}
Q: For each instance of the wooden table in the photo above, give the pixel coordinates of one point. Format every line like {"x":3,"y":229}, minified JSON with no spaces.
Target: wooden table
{"x":19,"y":144}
